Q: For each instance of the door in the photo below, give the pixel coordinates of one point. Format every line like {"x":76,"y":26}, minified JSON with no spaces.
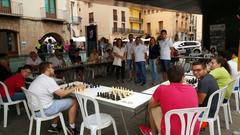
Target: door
{"x":50,"y":8}
{"x":8,"y":42}
{"x":5,"y":6}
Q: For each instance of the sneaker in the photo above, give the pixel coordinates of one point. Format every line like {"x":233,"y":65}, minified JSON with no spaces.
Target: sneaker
{"x":145,"y":130}
{"x":143,"y":83}
{"x":52,"y":129}
{"x":72,"y":131}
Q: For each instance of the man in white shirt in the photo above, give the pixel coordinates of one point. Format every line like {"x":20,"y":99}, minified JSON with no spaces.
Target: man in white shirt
{"x":166,"y":49}
{"x":57,"y":59}
{"x":44,"y":86}
{"x":33,"y":60}
{"x":129,"y":53}
{"x":140,"y":58}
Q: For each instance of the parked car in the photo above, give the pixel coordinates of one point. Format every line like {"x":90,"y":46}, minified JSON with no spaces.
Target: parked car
{"x":187,"y":47}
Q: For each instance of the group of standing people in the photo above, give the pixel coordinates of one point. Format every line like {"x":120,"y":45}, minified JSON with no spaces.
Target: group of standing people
{"x":135,"y":54}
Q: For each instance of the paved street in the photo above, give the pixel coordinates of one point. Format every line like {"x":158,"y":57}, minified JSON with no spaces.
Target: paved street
{"x":18,"y":125}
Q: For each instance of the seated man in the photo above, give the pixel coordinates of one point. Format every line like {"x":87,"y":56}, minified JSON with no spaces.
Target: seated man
{"x":44,"y":86}
{"x":94,"y":57}
{"x":14,"y":84}
{"x":176,"y":95}
{"x":4,"y":68}
{"x":33,"y":60}
{"x":206,"y":86}
{"x":76,"y":59}
{"x":57,"y":59}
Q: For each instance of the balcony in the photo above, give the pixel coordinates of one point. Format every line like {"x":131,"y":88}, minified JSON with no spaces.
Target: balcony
{"x":54,"y":14}
{"x":11,"y":9}
{"x":75,"y":20}
{"x":134,"y":19}
{"x":126,"y":30}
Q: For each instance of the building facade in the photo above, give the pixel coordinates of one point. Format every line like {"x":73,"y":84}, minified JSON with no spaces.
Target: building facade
{"x":23,"y":23}
{"x":179,"y":25}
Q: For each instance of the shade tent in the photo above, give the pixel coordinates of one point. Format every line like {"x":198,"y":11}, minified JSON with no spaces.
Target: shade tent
{"x":79,"y":39}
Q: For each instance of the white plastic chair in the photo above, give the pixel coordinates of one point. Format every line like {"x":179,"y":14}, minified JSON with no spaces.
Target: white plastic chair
{"x":188,"y":118}
{"x":30,"y":97}
{"x":97,"y":121}
{"x":236,"y":93}
{"x":10,"y":102}
{"x":219,"y":94}
{"x":226,"y":106}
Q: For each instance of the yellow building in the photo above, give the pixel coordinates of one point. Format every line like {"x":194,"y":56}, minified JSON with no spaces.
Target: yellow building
{"x":135,"y":20}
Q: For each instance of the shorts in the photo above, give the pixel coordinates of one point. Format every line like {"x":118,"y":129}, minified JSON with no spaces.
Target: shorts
{"x":164,"y":65}
{"x":57,"y":106}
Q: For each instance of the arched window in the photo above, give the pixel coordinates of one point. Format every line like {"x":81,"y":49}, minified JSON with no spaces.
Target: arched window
{"x":8,"y":42}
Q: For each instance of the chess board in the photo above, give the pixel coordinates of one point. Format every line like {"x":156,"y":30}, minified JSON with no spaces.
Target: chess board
{"x":116,"y":93}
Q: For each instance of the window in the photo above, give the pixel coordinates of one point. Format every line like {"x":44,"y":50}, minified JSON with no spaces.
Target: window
{"x":123,"y":16}
{"x":152,"y":11}
{"x":148,"y":11}
{"x":189,"y":43}
{"x":91,"y":17}
{"x":131,"y":25}
{"x":140,"y":15}
{"x":5,"y":6}
{"x":123,"y":27}
{"x":144,"y":12}
{"x":140,"y":26}
{"x":8,"y":42}
{"x":181,"y":25}
{"x":148,"y":28}
{"x":115,"y":26}
{"x":115,"y":17}
{"x":160,"y":25}
{"x":50,"y":8}
{"x":185,"y":25}
{"x":176,"y":24}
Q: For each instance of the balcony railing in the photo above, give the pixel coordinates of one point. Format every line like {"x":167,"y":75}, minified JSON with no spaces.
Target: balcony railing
{"x":54,"y":14}
{"x":134,"y":19}
{"x":126,"y":30}
{"x":11,"y":9}
{"x":76,"y":20}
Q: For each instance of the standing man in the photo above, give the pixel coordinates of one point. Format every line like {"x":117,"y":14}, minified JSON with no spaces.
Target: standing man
{"x":166,"y":49}
{"x":206,"y":86}
{"x":129,"y":53}
{"x":44,"y":86}
{"x":140,"y":58}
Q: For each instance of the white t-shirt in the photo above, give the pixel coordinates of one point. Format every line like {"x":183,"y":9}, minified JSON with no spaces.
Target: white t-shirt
{"x":120,"y":51}
{"x":129,"y":50}
{"x":139,"y":52}
{"x":44,"y":87}
{"x":29,"y":61}
{"x":233,"y":66}
{"x":55,"y":61}
{"x":165,"y":51}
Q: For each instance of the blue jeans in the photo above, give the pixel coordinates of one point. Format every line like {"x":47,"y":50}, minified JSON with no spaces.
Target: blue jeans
{"x":129,"y":65}
{"x":16,"y":96}
{"x":153,"y":68}
{"x":141,"y":71}
{"x":164,"y":65}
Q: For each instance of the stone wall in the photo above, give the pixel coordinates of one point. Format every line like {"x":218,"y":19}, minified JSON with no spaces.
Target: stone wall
{"x":30,"y":30}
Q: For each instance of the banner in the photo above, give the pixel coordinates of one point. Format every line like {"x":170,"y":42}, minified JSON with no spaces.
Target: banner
{"x":91,"y":32}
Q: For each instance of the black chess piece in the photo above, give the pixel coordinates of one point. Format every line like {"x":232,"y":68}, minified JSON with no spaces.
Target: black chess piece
{"x":98,"y":94}
{"x":118,"y":97}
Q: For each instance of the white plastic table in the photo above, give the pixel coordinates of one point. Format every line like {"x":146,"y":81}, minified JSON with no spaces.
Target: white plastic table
{"x":133,"y":103}
{"x":151,"y":90}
